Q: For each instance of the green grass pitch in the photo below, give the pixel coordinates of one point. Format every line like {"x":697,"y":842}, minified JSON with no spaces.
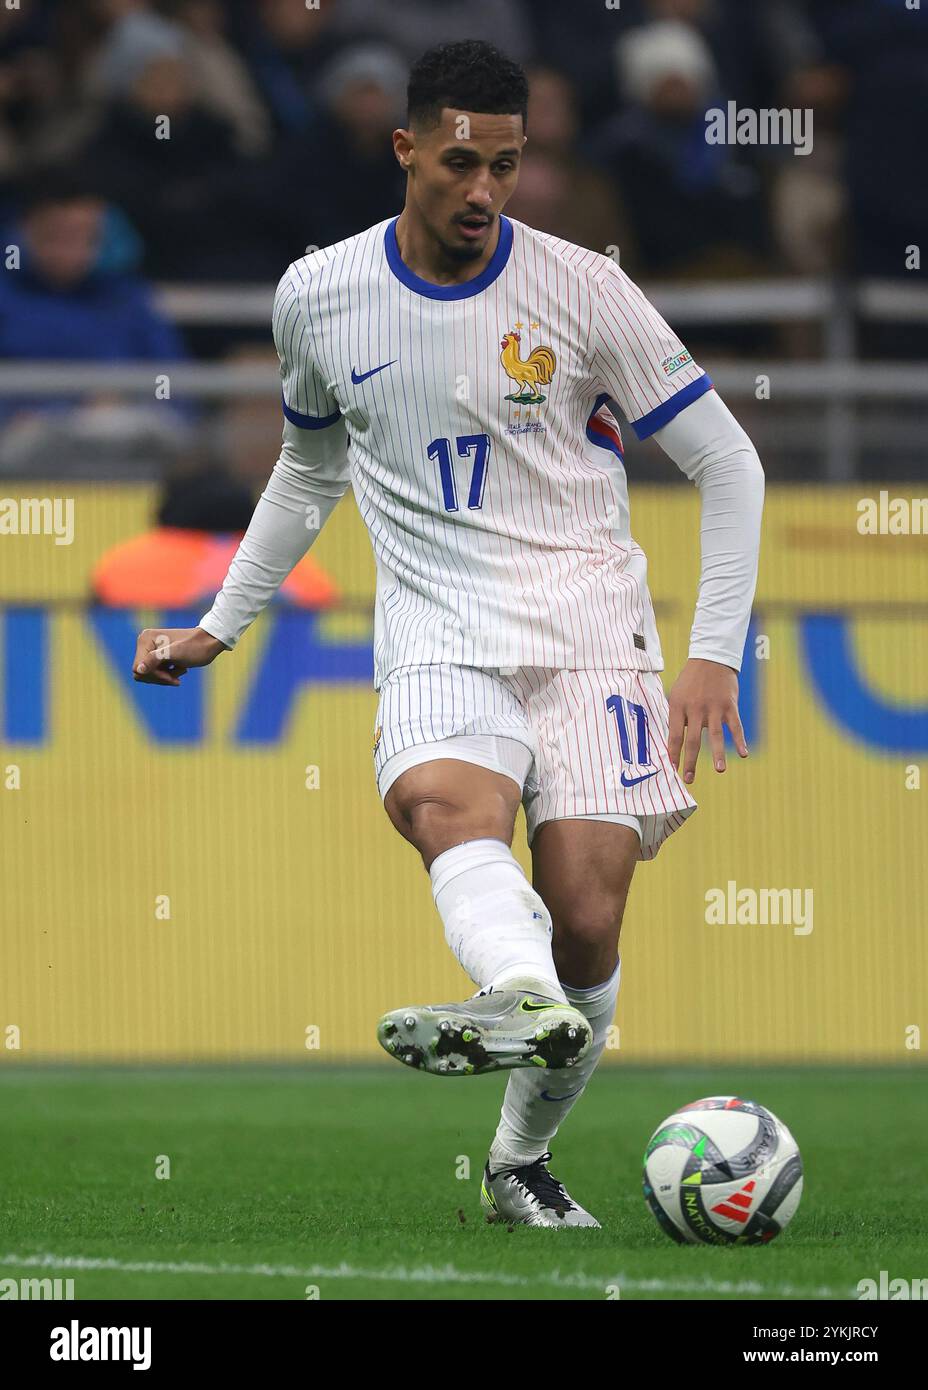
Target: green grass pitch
{"x":349,"y":1181}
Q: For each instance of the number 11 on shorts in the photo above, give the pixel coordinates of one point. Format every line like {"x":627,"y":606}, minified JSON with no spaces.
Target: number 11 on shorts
{"x":632,"y":721}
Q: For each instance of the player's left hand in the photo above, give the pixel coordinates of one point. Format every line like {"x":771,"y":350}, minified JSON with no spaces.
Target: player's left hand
{"x":705,"y":696}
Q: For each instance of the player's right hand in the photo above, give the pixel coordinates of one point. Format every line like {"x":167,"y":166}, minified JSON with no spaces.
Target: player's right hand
{"x":163,"y":655}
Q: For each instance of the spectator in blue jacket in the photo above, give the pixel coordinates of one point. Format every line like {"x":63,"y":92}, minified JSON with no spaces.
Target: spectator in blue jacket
{"x":67,"y":293}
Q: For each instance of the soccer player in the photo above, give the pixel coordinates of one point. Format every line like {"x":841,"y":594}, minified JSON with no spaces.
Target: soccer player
{"x":459,"y":369}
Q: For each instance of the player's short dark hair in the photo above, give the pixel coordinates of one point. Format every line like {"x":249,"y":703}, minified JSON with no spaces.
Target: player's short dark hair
{"x":466,"y":76}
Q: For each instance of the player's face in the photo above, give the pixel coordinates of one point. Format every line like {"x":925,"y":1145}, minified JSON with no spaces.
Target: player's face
{"x":462,"y":174}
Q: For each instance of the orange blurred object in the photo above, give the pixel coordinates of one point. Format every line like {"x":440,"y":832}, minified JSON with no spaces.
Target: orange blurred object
{"x":172,"y":567}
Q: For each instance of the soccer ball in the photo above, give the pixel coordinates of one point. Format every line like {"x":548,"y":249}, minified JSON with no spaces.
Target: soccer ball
{"x":723,"y":1171}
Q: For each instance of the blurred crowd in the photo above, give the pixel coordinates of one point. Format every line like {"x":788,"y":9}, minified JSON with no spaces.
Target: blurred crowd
{"x":280,"y":120}
{"x":280,"y":114}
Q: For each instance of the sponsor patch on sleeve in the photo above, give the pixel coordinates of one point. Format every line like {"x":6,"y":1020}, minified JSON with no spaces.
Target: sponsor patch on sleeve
{"x":675,"y":364}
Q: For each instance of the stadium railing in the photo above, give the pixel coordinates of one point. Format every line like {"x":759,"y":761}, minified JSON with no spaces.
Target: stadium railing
{"x":839,"y":379}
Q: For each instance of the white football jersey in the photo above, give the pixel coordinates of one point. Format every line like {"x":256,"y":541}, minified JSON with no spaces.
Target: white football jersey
{"x":475,"y":423}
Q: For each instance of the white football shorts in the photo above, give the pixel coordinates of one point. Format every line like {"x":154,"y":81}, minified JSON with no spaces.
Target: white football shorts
{"x":581,"y":743}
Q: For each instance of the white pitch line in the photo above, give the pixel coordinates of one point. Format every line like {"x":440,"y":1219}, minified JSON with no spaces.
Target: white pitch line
{"x":422,"y":1274}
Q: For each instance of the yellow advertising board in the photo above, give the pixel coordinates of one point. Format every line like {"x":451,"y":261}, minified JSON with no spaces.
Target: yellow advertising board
{"x":208,"y":872}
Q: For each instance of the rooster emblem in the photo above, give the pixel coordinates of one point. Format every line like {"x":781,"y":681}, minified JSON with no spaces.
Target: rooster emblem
{"x":537,"y":369}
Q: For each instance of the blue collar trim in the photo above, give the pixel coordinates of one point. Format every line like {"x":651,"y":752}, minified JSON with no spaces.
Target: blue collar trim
{"x":491,"y":271}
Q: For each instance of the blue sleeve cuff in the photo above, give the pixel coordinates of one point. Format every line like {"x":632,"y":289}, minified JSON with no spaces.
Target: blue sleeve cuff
{"x":663,"y":414}
{"x":310,"y":422}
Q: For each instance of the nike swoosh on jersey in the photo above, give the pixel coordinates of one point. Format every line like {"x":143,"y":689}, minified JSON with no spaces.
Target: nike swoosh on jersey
{"x":633,"y":781}
{"x":358,"y":377}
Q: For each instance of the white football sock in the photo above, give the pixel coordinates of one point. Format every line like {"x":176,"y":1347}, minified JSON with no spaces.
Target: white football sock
{"x":495,"y":923}
{"x":536,"y":1103}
